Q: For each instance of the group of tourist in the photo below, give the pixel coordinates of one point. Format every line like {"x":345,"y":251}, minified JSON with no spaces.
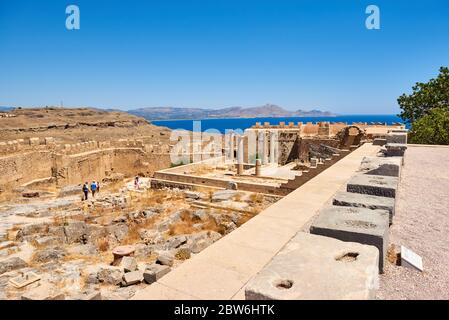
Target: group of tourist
{"x":94,"y":188}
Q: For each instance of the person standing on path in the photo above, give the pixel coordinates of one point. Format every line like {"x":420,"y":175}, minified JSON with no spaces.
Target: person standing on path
{"x":93,"y":188}
{"x":85,"y":191}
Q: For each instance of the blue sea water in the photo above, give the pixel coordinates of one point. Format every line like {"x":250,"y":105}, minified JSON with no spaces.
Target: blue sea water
{"x":243,"y":123}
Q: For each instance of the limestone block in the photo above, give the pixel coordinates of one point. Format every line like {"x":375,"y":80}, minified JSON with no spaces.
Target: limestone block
{"x":45,"y":291}
{"x":382,"y":166}
{"x":88,"y":295}
{"x":379,"y":142}
{"x":49,"y":141}
{"x":131,"y":278}
{"x":165,"y":258}
{"x":224,"y":195}
{"x":395,"y":149}
{"x":34,"y":141}
{"x":110,"y":275}
{"x":3,"y":147}
{"x":349,"y":199}
{"x":359,"y":225}
{"x":373,"y":185}
{"x":128,"y":264}
{"x":12,"y":263}
{"x":316,"y":267}
{"x":154,"y":272}
{"x":396,"y":137}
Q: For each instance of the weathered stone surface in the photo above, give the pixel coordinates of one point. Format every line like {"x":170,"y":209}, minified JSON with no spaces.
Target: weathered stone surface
{"x":131,"y":278}
{"x":373,"y":185}
{"x":70,"y":190}
{"x":395,"y":149}
{"x":349,"y":199}
{"x":49,"y":254}
{"x":76,"y":232}
{"x":379,"y":142}
{"x":232,"y":186}
{"x":154,"y":272}
{"x":12,"y":263}
{"x":175,"y":242}
{"x":88,"y":295}
{"x":397,"y":137}
{"x":192,"y":195}
{"x":165,"y":258}
{"x":31,"y":229}
{"x":316,"y":267}
{"x":359,"y":225}
{"x":224,"y":195}
{"x":44,"y":291}
{"x":46,"y":241}
{"x":200,"y":215}
{"x":128,"y":264}
{"x":110,"y":275}
{"x":381,"y":166}
{"x":120,"y":231}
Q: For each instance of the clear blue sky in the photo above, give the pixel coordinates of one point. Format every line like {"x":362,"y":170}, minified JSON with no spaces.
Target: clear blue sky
{"x":218,"y":53}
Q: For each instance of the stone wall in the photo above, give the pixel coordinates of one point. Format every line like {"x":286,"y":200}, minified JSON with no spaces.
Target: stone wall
{"x":23,"y":161}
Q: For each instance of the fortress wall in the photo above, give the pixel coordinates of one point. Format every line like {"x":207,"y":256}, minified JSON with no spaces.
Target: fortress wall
{"x":97,"y":165}
{"x":24,"y":167}
{"x":25,"y":160}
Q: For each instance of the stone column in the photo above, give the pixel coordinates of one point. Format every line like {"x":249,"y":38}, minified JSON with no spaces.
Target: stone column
{"x":239,"y":154}
{"x":258,"y":164}
{"x":273,"y":147}
{"x":263,"y":147}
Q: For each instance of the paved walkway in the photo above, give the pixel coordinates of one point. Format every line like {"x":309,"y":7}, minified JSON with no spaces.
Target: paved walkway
{"x":421,"y":223}
{"x":222,"y":270}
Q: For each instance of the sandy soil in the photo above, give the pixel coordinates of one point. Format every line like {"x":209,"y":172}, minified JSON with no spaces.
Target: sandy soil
{"x":421,"y":224}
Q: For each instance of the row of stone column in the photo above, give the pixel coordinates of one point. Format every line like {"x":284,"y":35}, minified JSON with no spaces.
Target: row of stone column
{"x":262,"y":145}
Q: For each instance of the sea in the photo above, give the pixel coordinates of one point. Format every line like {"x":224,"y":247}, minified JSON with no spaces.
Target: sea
{"x":221,"y":125}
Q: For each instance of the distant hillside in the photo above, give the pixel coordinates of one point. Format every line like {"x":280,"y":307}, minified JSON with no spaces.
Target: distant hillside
{"x":269,"y":110}
{"x":5,"y":109}
{"x":77,"y":124}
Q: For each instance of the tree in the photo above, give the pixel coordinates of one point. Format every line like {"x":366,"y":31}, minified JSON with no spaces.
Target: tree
{"x":432,"y":128}
{"x":425,"y":97}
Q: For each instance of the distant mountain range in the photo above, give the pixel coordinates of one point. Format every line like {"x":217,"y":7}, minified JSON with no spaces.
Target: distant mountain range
{"x":268,"y":110}
{"x":5,"y":109}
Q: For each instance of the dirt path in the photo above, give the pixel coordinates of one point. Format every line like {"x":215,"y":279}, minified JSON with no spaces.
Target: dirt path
{"x":421,"y":224}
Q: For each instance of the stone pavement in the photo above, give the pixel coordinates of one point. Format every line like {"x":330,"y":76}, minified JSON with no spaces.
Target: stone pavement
{"x":222,"y":270}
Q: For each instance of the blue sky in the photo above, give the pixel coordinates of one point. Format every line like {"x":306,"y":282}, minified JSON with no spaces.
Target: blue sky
{"x":218,"y":53}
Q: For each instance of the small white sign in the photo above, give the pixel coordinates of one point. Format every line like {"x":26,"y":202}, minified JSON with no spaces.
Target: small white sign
{"x":410,"y":259}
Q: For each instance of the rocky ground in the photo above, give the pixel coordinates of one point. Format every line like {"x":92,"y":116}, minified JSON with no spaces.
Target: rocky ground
{"x":67,"y":243}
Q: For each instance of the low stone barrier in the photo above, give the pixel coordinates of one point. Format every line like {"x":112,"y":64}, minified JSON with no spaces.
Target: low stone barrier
{"x":382,"y":166}
{"x":361,"y":225}
{"x":317,"y":267}
{"x":357,"y":200}
{"x":383,"y":186}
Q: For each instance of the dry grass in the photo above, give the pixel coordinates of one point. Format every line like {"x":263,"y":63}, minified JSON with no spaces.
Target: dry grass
{"x":103,"y":244}
{"x":256,"y":198}
{"x":182,"y":254}
{"x":185,"y":226}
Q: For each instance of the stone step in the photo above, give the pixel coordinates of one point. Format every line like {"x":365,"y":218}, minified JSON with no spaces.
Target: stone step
{"x":361,"y":225}
{"x":382,"y":166}
{"x":312,"y":267}
{"x":349,"y":199}
{"x":383,"y":186}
